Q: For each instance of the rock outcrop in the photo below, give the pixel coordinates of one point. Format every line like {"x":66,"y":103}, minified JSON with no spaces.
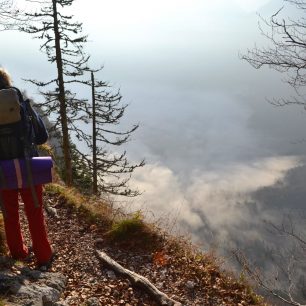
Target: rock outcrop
{"x":31,"y":287}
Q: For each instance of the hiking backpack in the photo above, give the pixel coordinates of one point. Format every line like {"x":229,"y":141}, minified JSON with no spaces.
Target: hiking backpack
{"x":21,"y":129}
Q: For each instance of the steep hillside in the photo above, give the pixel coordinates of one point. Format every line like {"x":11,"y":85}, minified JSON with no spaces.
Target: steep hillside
{"x":78,"y":226}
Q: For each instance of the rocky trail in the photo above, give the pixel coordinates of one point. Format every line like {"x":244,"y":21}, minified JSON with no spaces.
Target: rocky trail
{"x":86,"y":281}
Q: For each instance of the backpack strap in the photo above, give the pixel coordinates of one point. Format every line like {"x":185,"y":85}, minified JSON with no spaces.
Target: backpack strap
{"x":18,"y":92}
{"x":39,"y":132}
{"x":30,"y":181}
{"x":39,"y":129}
{"x":3,"y":186}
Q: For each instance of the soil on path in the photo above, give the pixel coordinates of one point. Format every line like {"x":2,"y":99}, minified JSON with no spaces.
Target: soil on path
{"x":75,"y":242}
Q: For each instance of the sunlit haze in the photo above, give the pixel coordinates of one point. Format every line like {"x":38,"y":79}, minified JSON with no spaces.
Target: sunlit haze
{"x":213,"y":144}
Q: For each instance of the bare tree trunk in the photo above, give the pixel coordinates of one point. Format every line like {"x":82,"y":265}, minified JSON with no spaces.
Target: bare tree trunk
{"x":94,"y":137}
{"x":62,"y":99}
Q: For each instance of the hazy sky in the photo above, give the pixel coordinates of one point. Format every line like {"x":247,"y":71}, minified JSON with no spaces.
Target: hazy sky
{"x":208,"y":134}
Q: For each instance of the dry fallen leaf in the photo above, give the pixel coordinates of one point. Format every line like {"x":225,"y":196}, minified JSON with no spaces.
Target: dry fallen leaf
{"x":160,"y":258}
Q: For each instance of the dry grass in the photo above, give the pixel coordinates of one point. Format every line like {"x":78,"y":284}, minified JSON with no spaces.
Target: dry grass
{"x":127,"y":227}
{"x":45,"y":150}
{"x":128,"y":230}
{"x":206,"y":267}
{"x":92,"y":209}
{"x":131,"y":231}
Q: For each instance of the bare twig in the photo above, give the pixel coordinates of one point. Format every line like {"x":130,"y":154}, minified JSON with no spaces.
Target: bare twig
{"x":258,"y":277}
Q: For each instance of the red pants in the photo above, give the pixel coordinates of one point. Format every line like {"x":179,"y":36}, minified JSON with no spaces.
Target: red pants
{"x":37,"y":227}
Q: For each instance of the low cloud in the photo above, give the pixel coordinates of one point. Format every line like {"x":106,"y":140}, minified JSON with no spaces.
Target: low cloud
{"x":214,"y":203}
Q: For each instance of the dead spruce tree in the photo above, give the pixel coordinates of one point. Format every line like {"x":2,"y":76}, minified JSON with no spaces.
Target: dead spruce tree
{"x":63,"y":44}
{"x":10,"y":15}
{"x":286,"y":53}
{"x":111,"y":171}
{"x":285,"y":50}
{"x":6,"y":7}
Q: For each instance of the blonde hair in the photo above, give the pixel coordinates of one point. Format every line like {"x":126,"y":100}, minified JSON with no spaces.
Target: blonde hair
{"x":5,"y":79}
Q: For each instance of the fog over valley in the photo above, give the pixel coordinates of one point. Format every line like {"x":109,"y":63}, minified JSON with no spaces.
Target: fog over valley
{"x":221,"y":161}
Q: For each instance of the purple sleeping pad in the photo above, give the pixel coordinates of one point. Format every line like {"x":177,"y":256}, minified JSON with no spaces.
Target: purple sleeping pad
{"x":16,"y":175}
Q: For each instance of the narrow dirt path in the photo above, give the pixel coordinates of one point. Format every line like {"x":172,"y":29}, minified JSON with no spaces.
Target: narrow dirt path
{"x":75,"y":242}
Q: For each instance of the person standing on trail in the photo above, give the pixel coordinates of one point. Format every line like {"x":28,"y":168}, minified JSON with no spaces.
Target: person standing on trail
{"x":12,"y":146}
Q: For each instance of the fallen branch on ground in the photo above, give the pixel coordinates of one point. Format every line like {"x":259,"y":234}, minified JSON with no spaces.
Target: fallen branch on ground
{"x":137,"y":280}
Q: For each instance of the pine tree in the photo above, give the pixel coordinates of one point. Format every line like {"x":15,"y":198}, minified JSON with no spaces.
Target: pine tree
{"x":63,"y":44}
{"x":111,"y":170}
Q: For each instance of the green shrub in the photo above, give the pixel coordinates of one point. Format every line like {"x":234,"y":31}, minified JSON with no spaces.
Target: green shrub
{"x":127,"y":227}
